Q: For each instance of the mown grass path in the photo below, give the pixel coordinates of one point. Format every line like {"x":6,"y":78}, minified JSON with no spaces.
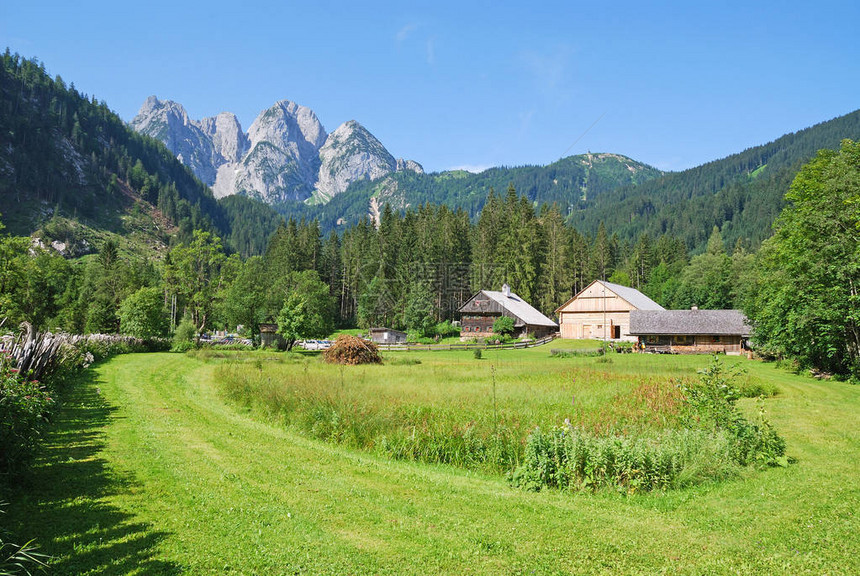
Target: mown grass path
{"x":150,"y":472}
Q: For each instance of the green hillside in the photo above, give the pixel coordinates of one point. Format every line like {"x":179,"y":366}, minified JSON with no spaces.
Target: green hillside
{"x":567,"y":182}
{"x":742,"y":194}
{"x":73,"y":172}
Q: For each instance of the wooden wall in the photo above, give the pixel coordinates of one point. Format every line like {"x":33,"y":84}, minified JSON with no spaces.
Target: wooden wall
{"x":694,"y":344}
{"x":583,"y":317}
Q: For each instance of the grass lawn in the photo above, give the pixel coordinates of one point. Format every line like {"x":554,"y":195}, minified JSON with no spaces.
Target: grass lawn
{"x":151,"y":471}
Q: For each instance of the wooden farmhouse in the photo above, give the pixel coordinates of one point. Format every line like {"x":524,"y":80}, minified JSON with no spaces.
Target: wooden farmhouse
{"x":387,"y":336}
{"x":602,"y":311}
{"x":690,"y":331}
{"x":484,"y":308}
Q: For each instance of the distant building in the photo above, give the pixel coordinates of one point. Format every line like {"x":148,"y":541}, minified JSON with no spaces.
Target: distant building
{"x":602,"y":311}
{"x":479,"y":313}
{"x":269,"y":337}
{"x":387,"y":336}
{"x":690,"y":331}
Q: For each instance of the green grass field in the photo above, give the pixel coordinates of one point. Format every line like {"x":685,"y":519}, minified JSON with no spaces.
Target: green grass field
{"x":151,"y":470}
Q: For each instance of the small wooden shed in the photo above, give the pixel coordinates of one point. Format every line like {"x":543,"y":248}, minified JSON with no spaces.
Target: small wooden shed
{"x":269,"y":337}
{"x":387,"y":336}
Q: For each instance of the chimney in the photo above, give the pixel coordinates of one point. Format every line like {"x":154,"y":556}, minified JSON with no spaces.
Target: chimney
{"x":506,"y":290}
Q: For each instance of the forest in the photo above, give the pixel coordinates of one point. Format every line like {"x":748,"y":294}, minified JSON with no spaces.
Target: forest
{"x":413,"y":270}
{"x":69,"y":163}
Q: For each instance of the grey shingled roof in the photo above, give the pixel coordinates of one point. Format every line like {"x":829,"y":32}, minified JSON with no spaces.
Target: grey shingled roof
{"x":689,"y":322}
{"x":633,"y":296}
{"x":521,"y":309}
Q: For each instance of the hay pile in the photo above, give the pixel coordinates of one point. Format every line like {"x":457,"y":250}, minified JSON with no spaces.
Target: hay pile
{"x":352,"y":350}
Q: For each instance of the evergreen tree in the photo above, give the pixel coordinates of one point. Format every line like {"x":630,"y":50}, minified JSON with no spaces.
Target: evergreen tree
{"x":600,"y":259}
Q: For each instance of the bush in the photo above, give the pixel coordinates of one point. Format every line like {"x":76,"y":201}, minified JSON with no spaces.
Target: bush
{"x":503,"y":326}
{"x":446,"y":329}
{"x":143,"y":314}
{"x":183,"y":337}
{"x":25,"y":409}
{"x":478,"y":354}
{"x":352,"y":350}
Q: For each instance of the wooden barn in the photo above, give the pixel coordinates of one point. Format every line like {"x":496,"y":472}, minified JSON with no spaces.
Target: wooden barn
{"x":602,"y":311}
{"x":387,"y":336}
{"x":481,"y":311}
{"x":690,"y":331}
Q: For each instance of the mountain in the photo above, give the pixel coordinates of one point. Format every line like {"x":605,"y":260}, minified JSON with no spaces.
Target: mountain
{"x":72,"y":172}
{"x":568,"y":182}
{"x":741,"y":194}
{"x":286,"y":156}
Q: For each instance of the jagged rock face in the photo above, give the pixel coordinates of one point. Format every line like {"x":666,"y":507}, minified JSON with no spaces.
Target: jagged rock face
{"x":410,"y":165}
{"x":351,"y":153}
{"x":228,"y":139}
{"x":168,"y":121}
{"x":286,"y":154}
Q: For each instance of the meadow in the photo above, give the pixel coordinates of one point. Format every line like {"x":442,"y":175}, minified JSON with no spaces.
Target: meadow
{"x":450,"y":407}
{"x":154,"y":468}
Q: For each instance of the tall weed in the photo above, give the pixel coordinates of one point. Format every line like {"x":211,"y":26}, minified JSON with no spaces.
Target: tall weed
{"x":712,"y":440}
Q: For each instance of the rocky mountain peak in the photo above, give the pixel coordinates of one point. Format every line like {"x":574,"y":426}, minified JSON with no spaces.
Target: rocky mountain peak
{"x":285,"y":155}
{"x":287,"y":121}
{"x":229,"y":139}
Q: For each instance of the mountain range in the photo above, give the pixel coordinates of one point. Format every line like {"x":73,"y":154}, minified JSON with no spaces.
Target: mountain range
{"x":286,"y":155}
{"x":72,"y":171}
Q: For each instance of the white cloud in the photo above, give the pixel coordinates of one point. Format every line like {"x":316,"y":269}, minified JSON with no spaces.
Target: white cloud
{"x":405,"y":32}
{"x":473,"y":168}
{"x":431,"y":51}
{"x":550,"y":69}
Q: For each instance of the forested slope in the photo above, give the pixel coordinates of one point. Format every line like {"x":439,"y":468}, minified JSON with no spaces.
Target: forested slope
{"x":67,"y":160}
{"x":742,"y":194}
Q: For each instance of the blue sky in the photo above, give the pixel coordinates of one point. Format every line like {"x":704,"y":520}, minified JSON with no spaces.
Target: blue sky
{"x":472,"y":84}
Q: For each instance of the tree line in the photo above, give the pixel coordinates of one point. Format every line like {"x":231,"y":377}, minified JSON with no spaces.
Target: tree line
{"x":412,"y":270}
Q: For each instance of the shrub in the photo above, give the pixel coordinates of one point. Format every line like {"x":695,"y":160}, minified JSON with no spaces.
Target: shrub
{"x":183,"y":337}
{"x":503,"y":326}
{"x":716,"y":441}
{"x":446,"y":329}
{"x":478,"y":354}
{"x":143,"y":314}
{"x":25,"y":409}
{"x":352,"y":350}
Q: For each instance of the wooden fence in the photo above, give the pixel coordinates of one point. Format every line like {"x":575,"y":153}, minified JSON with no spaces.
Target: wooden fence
{"x":465,"y":346}
{"x":35,"y":353}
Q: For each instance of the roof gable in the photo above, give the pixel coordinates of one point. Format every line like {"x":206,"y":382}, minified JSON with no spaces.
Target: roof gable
{"x":491,"y":302}
{"x":633,"y":297}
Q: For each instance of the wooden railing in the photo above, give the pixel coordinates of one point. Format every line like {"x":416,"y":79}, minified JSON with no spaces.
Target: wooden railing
{"x":466,"y":346}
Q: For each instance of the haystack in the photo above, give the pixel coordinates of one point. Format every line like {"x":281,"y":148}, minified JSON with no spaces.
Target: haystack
{"x":352,"y":350}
